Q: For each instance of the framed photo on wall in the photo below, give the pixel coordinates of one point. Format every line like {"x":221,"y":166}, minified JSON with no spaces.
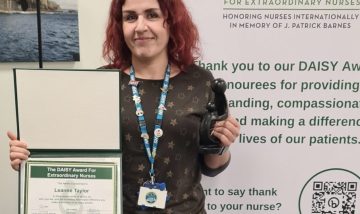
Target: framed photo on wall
{"x":19,"y":30}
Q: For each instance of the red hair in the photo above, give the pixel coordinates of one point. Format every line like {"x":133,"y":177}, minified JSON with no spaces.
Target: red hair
{"x":183,"y":43}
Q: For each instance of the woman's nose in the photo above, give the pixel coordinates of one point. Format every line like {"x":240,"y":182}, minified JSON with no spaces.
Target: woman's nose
{"x":141,"y":24}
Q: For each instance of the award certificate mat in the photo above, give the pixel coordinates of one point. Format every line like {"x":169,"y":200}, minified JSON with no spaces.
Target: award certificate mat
{"x":68,"y":109}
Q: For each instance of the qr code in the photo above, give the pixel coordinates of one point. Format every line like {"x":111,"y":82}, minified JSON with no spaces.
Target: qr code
{"x":334,"y":197}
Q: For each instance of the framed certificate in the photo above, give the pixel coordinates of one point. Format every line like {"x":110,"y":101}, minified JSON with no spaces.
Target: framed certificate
{"x":71,"y":122}
{"x":63,"y":182}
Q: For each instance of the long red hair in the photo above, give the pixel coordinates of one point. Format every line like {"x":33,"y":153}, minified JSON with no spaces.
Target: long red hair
{"x":183,"y":43}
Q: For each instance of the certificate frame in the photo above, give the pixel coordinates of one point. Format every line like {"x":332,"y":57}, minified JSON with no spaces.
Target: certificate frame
{"x":62,"y":181}
{"x":53,"y":107}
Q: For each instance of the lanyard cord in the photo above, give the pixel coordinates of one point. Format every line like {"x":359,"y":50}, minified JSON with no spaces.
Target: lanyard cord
{"x":151,"y":152}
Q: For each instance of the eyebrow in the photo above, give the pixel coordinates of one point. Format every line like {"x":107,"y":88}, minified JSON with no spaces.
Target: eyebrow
{"x":147,"y":10}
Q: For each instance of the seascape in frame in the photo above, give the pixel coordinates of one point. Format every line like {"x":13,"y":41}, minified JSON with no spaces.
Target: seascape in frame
{"x":19,"y":32}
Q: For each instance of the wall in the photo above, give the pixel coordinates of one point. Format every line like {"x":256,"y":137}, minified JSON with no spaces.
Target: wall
{"x":293,"y":159}
{"x":269,"y":172}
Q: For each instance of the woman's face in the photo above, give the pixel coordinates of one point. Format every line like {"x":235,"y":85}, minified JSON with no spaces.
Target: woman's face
{"x":145,"y":32}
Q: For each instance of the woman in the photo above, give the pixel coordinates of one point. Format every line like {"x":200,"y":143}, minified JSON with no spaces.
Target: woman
{"x":154,"y":44}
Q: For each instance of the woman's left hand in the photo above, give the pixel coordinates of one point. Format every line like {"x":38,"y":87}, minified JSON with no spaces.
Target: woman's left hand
{"x":227,"y":130}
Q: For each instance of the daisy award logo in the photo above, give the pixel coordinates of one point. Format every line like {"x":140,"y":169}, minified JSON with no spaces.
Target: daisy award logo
{"x":151,"y":197}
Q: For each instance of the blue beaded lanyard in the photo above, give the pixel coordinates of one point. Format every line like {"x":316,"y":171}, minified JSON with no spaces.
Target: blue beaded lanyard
{"x":151,"y":152}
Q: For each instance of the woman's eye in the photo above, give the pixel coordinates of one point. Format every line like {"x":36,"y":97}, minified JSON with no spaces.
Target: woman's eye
{"x":153,"y":15}
{"x":130,"y":17}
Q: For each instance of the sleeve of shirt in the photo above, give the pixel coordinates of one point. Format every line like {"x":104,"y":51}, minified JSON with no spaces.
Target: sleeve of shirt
{"x":205,"y":170}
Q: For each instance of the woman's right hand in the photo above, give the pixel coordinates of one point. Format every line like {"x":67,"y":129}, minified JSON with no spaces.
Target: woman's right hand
{"x":18,"y":151}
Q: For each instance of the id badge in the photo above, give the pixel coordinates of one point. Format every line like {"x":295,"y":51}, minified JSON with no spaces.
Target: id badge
{"x":150,"y":196}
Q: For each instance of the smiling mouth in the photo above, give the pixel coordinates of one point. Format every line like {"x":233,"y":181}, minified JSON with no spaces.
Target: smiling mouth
{"x":143,"y":38}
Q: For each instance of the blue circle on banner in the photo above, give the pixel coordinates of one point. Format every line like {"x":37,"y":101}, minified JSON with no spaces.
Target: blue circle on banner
{"x":151,"y":197}
{"x":330,"y":191}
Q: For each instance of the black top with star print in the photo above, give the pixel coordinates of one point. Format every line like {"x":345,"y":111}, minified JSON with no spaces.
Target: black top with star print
{"x":177,"y":160}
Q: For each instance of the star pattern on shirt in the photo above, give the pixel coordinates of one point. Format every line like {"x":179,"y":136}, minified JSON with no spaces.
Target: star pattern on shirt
{"x":171,"y":104}
{"x":141,"y":167}
{"x":185,"y":196}
{"x":128,"y":137}
{"x":170,"y":194}
{"x":171,"y":145}
{"x":173,"y":122}
{"x":167,"y":160}
{"x":190,"y":88}
{"x":169,"y":174}
{"x":186,"y":171}
{"x":208,"y":83}
{"x":140,"y":181}
{"x":142,"y":92}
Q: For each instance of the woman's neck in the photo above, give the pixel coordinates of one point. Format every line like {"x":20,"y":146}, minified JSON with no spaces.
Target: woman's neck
{"x":153,"y":70}
{"x":149,"y":69}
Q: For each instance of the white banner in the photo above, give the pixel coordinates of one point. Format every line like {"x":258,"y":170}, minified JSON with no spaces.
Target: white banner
{"x":293,"y":74}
